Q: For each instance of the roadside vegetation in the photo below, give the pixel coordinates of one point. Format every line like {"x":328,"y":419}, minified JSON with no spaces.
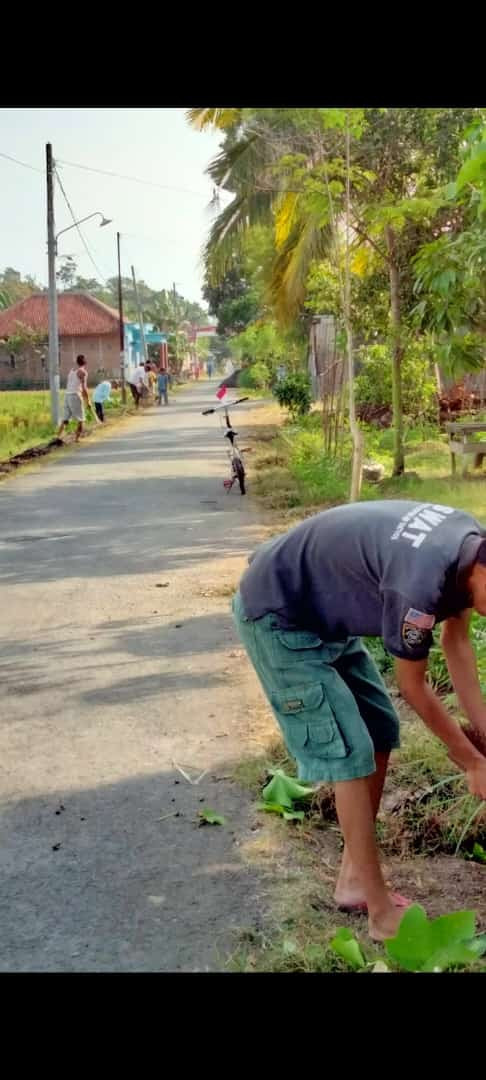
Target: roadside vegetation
{"x":25,"y":419}
{"x":367,"y":224}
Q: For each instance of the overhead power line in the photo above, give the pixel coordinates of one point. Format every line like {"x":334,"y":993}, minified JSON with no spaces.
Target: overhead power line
{"x":107,"y":172}
{"x":71,"y":211}
{"x":24,"y":163}
{"x":134,"y":179}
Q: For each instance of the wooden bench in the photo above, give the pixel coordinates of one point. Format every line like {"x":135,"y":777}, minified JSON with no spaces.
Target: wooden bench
{"x":459,"y":443}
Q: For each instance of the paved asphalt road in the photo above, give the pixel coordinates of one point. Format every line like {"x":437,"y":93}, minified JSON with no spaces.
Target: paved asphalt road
{"x":118,"y":661}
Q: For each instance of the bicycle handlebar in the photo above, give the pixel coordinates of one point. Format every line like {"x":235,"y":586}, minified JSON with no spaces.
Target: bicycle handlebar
{"x":207,"y":412}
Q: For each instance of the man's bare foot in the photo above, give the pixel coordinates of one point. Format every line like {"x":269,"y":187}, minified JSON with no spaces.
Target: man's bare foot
{"x":385,"y":924}
{"x":349,"y":895}
{"x":361,"y":906}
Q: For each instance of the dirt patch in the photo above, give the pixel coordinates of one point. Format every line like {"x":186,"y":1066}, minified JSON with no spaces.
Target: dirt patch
{"x":441,"y":885}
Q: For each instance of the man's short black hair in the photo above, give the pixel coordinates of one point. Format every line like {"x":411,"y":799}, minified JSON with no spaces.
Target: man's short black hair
{"x":481,"y":553}
{"x":80,"y":360}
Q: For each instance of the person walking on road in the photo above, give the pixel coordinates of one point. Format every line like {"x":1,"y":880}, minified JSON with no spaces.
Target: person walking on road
{"x":392,"y":569}
{"x":162,"y":387}
{"x":137,"y":381}
{"x":76,"y":397}
{"x":102,"y":394}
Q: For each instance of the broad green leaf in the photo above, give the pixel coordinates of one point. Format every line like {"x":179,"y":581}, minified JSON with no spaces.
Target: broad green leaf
{"x":285,"y":790}
{"x":454,"y":928}
{"x":455,"y":955}
{"x":277,"y":808}
{"x":478,"y":945}
{"x":346,"y":946}
{"x":210,"y":817}
{"x":426,"y":944}
{"x":271,"y":807}
{"x":411,"y":946}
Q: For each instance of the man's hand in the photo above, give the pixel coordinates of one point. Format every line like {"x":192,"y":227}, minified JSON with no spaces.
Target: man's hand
{"x":476,"y":779}
{"x":415,"y":690}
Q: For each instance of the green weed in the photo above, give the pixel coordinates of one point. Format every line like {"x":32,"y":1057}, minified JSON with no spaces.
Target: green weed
{"x":420,"y":944}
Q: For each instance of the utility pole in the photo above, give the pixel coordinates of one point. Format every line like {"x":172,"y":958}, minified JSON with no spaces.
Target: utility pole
{"x":140,"y":317}
{"x":54,"y":380}
{"x":122,"y":326}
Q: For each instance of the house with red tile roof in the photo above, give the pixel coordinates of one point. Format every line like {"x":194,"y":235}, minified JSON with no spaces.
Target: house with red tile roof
{"x":86,"y":325}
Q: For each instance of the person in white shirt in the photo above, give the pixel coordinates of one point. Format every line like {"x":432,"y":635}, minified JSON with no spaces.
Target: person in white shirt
{"x":101,"y":394}
{"x":76,"y":397}
{"x":137,"y":381}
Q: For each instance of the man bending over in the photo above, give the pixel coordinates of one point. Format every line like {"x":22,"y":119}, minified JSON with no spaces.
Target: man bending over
{"x":393,"y":569}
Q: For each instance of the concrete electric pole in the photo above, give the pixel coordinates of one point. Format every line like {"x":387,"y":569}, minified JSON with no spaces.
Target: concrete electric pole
{"x":54,"y":380}
{"x":122,"y":329}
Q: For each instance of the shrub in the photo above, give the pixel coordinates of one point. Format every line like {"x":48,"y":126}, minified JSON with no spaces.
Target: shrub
{"x":373,"y":385}
{"x":255,"y":377}
{"x":293,"y":393}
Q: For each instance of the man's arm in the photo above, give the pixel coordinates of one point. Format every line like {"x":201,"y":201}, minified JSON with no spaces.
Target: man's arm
{"x":416,"y":691}
{"x":83,"y":378}
{"x":461,"y":663}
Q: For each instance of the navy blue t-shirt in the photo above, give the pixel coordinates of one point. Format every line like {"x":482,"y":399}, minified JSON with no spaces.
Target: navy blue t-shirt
{"x":388,"y":568}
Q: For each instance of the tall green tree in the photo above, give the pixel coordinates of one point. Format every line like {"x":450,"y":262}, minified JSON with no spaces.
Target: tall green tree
{"x":451,"y":270}
{"x":283,"y":165}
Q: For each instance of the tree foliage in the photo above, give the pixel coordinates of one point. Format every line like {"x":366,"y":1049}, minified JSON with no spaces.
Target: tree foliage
{"x":419,"y":391}
{"x":450,"y":271}
{"x":287,"y":172}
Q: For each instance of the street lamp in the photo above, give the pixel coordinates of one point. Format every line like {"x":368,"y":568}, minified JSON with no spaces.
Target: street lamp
{"x":54,"y":377}
{"x":97,"y":213}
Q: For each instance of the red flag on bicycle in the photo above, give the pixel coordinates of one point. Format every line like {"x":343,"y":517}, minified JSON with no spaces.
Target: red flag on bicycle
{"x":221,"y":392}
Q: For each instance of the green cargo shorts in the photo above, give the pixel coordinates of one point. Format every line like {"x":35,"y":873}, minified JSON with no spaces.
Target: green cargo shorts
{"x":328,"y":697}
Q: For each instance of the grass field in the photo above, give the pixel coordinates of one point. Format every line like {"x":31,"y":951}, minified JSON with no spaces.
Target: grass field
{"x":25,"y":419}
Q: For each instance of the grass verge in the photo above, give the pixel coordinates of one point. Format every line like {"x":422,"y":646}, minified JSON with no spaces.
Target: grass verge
{"x":291,"y":472}
{"x":25,"y":419}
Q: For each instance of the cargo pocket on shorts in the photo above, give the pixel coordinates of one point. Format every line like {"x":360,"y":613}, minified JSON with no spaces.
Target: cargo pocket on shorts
{"x":294,"y":646}
{"x":288,"y":643}
{"x":308,"y":722}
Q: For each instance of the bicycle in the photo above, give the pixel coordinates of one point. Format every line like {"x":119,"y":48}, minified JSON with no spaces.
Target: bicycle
{"x":233,"y":450}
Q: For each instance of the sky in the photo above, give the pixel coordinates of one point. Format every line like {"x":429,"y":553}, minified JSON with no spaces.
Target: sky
{"x":162,"y":231}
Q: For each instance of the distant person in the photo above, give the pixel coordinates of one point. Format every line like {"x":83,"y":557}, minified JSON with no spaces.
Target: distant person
{"x":137,"y":381}
{"x":163,"y":387}
{"x":101,"y":395}
{"x":151,"y":380}
{"x":209,"y":368}
{"x":76,"y":397}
